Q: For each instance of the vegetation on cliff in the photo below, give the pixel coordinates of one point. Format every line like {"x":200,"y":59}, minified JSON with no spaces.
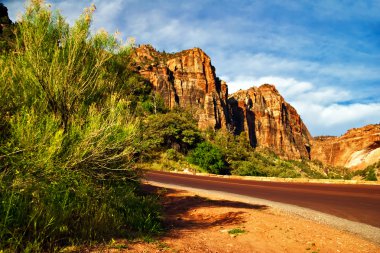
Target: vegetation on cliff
{"x":369,"y":173}
{"x":222,"y":152}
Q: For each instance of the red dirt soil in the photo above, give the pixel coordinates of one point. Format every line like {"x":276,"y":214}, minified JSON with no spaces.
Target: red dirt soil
{"x":200,"y":224}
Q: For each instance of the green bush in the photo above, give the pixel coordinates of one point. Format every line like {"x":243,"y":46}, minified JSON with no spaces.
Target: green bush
{"x":306,"y":167}
{"x":208,"y":158}
{"x":266,"y":164}
{"x":69,"y":142}
{"x":248,"y":168}
{"x":233,"y":147}
{"x":172,"y":154}
{"x":368,"y":173}
{"x":60,"y":188}
{"x":173,"y":130}
{"x":371,"y":176}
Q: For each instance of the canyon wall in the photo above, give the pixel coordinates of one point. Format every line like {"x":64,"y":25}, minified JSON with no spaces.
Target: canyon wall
{"x":269,"y":121}
{"x":187,"y":79}
{"x":356,"y":149}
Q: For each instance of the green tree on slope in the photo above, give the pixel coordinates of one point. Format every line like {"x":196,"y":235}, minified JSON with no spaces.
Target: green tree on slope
{"x":208,"y":157}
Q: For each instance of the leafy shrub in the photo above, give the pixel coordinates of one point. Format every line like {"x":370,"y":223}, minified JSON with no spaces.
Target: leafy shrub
{"x":233,"y":147}
{"x":306,"y":167}
{"x":236,"y":231}
{"x":154,"y":104}
{"x":368,"y":173}
{"x":371,"y":176}
{"x":59,"y":188}
{"x":175,"y":129}
{"x":248,"y":168}
{"x":172,"y":154}
{"x":207,"y":157}
{"x":67,"y":153}
{"x":263,"y":163}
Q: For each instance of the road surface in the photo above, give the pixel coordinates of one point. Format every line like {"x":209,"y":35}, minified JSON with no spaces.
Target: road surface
{"x":359,"y":203}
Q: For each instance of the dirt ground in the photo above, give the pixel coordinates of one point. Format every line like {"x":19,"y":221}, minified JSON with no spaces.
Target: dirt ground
{"x":199,"y":224}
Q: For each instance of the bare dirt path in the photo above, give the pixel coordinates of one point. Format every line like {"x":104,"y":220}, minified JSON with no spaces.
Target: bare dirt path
{"x":197,"y":223}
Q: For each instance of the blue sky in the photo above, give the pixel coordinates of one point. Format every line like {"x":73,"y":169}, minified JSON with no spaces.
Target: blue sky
{"x":323,"y":56}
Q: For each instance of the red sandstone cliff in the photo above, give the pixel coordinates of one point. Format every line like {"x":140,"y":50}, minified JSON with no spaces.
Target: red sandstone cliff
{"x":356,"y":149}
{"x":186,"y":79}
{"x":270,"y":121}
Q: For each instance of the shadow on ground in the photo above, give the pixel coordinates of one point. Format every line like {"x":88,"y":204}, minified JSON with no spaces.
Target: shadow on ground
{"x":184,"y":212}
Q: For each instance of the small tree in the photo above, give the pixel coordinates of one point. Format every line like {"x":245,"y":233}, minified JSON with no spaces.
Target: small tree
{"x":208,"y":157}
{"x":177,"y":130}
{"x":65,"y":65}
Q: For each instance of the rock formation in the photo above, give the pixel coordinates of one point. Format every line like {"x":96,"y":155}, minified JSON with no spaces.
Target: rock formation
{"x":269,"y":121}
{"x":186,"y":79}
{"x":356,"y":149}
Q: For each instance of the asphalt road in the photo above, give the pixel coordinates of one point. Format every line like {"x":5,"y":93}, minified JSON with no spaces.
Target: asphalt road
{"x":360,"y":203}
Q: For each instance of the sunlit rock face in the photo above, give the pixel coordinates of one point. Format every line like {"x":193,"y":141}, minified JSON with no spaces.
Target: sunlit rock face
{"x":356,"y":149}
{"x":186,"y":79}
{"x":269,"y":121}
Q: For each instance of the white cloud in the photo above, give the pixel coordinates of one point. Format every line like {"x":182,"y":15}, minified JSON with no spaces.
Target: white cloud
{"x":240,"y":64}
{"x":323,"y":96}
{"x":336,"y":119}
